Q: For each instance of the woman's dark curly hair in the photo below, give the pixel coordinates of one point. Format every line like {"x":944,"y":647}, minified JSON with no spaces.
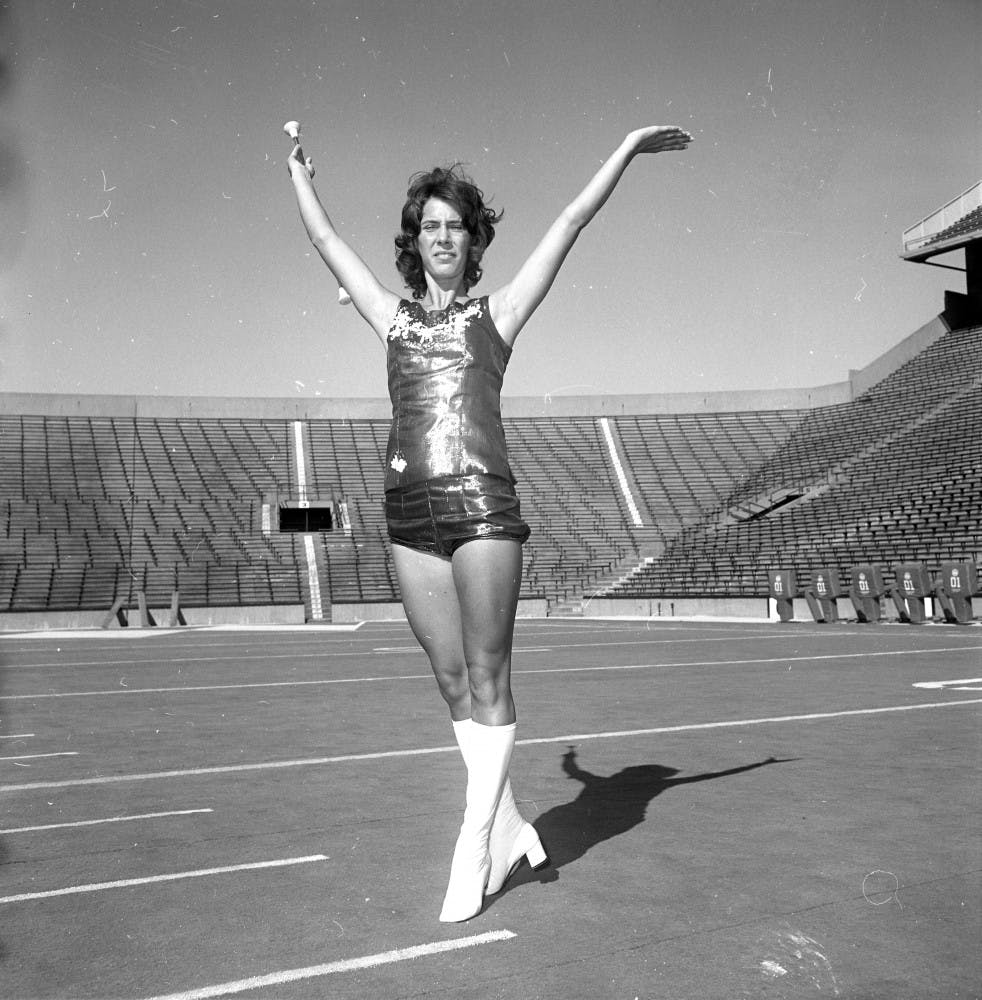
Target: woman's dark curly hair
{"x":453,"y":186}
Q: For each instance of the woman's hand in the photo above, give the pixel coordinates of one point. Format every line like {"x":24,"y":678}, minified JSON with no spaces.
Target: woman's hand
{"x":658,"y":139}
{"x":295,"y":161}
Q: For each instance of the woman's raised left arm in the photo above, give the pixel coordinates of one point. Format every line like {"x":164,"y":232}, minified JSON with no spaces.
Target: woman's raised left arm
{"x":513,"y":304}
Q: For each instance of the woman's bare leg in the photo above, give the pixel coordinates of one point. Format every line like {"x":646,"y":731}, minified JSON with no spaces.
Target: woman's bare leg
{"x":487,"y":575}
{"x":462,"y":612}
{"x":430,"y":599}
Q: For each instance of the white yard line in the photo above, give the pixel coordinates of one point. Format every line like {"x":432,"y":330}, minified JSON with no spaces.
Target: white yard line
{"x":938,"y":685}
{"x":35,"y":756}
{"x":330,"y":968}
{"x":108,"y":819}
{"x":171,"y":877}
{"x":424,"y":751}
{"x":600,"y":668}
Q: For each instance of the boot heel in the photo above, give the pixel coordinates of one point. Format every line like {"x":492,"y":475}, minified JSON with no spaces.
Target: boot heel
{"x":536,"y":855}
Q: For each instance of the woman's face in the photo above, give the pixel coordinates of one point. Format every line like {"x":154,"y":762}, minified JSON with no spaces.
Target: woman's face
{"x":443,"y":242}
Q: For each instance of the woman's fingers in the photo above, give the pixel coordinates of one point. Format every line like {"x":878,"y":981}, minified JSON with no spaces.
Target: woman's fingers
{"x":663,"y":138}
{"x":296,"y":155}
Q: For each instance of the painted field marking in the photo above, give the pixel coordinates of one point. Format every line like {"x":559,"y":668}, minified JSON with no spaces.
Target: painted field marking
{"x":409,"y":647}
{"x":808,"y":717}
{"x":517,"y":649}
{"x":734,"y":637}
{"x":35,"y":756}
{"x":308,"y":627}
{"x":212,"y":687}
{"x":107,"y":634}
{"x":97,"y":822}
{"x":168,"y":661}
{"x":17,"y":736}
{"x":147,"y":880}
{"x":112,"y":692}
{"x":975,"y":682}
{"x":330,"y":968}
{"x":742,"y":663}
{"x":425,"y":751}
{"x":184,"y":630}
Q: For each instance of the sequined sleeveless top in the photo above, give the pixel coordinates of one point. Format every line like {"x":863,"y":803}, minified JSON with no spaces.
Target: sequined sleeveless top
{"x":445,"y":373}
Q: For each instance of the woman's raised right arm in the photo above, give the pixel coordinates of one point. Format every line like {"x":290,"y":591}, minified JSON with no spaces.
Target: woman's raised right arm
{"x":376,"y":304}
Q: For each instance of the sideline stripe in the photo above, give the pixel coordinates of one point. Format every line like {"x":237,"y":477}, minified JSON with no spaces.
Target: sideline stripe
{"x":16,"y":736}
{"x":123,"y":883}
{"x":96,"y":822}
{"x":531,"y":670}
{"x":423,"y":751}
{"x":329,"y":968}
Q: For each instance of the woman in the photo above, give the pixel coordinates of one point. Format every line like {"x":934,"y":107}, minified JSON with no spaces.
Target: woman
{"x":451,"y":509}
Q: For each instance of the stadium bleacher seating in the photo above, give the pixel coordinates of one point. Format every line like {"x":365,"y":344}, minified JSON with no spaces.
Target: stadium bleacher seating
{"x":969,"y":223}
{"x":95,"y":508}
{"x":893,"y":475}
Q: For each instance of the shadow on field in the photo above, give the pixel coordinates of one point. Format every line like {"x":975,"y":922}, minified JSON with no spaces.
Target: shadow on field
{"x":606,"y":808}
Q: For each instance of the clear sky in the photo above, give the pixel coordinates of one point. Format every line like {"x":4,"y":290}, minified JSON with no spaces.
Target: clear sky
{"x":150,"y":243}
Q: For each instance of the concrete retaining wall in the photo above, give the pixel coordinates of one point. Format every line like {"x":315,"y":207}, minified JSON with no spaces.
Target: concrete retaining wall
{"x":356,"y":408}
{"x":898,"y":355}
{"x":388,"y":611}
{"x":32,"y":621}
{"x":678,"y":607}
{"x":185,"y":408}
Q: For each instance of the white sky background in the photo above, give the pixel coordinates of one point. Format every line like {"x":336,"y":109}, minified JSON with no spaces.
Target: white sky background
{"x":150,"y":243}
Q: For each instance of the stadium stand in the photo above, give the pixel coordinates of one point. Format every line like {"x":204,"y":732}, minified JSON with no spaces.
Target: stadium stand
{"x":955,"y":225}
{"x":112,"y":502}
{"x":687,"y":464}
{"x":102,"y":508}
{"x":895,"y":475}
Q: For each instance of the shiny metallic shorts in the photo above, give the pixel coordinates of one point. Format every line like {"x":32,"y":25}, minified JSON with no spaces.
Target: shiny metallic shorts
{"x":439,"y":515}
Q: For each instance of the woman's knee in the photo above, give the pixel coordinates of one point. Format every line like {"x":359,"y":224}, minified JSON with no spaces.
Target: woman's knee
{"x":454,"y":686}
{"x":489,"y":682}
